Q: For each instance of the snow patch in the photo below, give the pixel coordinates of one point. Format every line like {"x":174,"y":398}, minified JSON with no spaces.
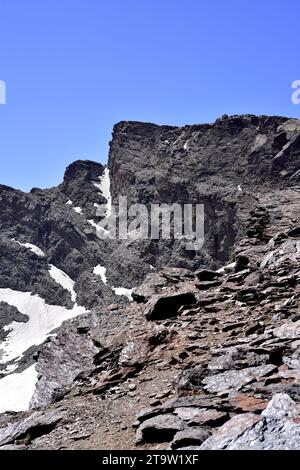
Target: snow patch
{"x":35,"y":249}
{"x":64,"y":280}
{"x":101,"y":271}
{"x":123,"y":291}
{"x":16,"y":390}
{"x":227,"y":268}
{"x":78,"y":210}
{"x":43,"y":319}
{"x":239,"y":187}
{"x":104,"y":188}
{"x":69,"y":202}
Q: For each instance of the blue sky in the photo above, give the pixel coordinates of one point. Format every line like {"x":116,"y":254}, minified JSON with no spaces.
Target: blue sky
{"x":73,"y":68}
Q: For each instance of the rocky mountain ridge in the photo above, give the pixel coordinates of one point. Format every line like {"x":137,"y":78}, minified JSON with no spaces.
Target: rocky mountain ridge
{"x":210,"y":351}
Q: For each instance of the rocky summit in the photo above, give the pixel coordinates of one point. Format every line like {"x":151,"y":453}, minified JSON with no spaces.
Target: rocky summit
{"x":110,"y":343}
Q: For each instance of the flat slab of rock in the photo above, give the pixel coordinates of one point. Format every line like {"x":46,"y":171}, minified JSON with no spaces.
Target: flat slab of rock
{"x":235,"y":379}
{"x":209,"y":418}
{"x":190,"y":437}
{"x":247,"y":403}
{"x":161,"y":428}
{"x":288,"y":330}
{"x":200,"y":417}
{"x":230,"y":431}
{"x":37,"y":424}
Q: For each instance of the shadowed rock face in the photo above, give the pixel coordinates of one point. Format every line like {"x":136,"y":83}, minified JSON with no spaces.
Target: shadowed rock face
{"x":224,"y":342}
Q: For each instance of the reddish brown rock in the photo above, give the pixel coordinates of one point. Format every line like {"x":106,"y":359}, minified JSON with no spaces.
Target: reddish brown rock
{"x":247,"y":403}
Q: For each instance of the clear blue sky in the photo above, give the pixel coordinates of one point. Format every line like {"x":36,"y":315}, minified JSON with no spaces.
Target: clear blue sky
{"x":75,"y":67}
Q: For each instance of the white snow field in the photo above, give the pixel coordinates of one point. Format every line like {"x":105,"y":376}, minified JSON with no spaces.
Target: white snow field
{"x":123,"y":291}
{"x":43,"y":319}
{"x":101,"y":271}
{"x":35,"y":249}
{"x":16,"y":390}
{"x":63,"y":279}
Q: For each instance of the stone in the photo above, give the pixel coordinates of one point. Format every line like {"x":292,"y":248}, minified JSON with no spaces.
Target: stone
{"x":160,"y":428}
{"x":205,"y":275}
{"x":211,"y":418}
{"x":237,"y":358}
{"x":167,"y":306}
{"x":281,"y":407}
{"x":236,"y":379}
{"x":246,"y":403}
{"x":190,"y":437}
{"x":290,"y":330}
{"x":230,"y":431}
{"x":187,"y":413}
{"x":37,"y":424}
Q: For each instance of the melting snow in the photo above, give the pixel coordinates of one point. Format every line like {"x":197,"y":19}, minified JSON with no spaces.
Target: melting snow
{"x":63,"y":279}
{"x":123,"y":291}
{"x":10,"y":368}
{"x":104,"y":187}
{"x":43,"y":319}
{"x":78,"y":210}
{"x":16,"y":390}
{"x":35,"y":249}
{"x":101,"y":271}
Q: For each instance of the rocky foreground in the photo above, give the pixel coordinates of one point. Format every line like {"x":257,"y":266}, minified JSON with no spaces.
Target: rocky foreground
{"x":199,"y":360}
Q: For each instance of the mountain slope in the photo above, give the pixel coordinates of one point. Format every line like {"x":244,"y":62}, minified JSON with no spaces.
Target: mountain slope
{"x":56,"y":266}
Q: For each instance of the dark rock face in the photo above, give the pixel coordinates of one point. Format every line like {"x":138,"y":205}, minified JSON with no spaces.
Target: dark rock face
{"x":206,"y":356}
{"x":8,"y":314}
{"x":161,"y":307}
{"x":221,"y":165}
